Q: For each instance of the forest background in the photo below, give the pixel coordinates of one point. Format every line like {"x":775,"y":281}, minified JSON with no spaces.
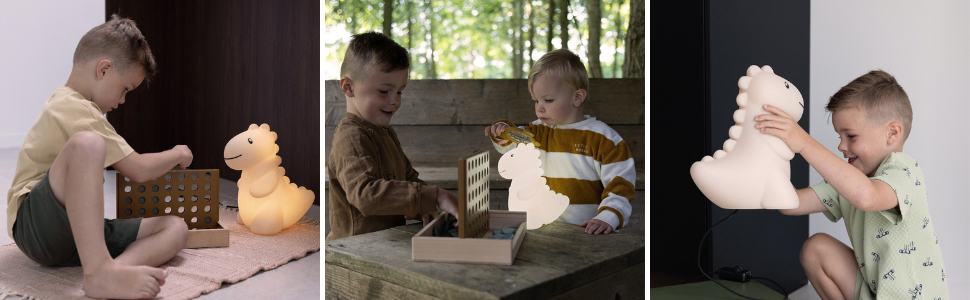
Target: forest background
{"x":492,"y":39}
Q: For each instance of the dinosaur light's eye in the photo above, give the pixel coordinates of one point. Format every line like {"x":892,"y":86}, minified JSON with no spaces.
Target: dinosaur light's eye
{"x":250,"y":140}
{"x":511,"y":155}
{"x":786,"y":84}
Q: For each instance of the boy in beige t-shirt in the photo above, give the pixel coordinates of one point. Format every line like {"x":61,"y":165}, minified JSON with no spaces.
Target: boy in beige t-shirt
{"x":55,"y":207}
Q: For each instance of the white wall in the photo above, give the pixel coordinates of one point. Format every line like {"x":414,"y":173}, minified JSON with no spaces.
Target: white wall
{"x":37,"y":41}
{"x":926,"y":46}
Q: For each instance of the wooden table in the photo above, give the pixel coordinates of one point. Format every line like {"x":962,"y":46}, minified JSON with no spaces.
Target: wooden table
{"x":557,"y":261}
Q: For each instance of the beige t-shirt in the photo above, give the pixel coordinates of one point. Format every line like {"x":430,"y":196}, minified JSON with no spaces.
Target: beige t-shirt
{"x":63,"y":115}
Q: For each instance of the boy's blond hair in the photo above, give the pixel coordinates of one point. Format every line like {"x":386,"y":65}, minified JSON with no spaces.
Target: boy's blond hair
{"x":879,"y":96}
{"x":372,"y":49}
{"x":562,"y":64}
{"x":120,"y":40}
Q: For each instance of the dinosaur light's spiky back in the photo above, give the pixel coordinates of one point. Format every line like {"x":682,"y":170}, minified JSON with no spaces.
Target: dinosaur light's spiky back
{"x":752,"y":168}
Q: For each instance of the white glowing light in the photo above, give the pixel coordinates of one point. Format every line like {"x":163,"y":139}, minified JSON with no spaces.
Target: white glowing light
{"x":268,"y":202}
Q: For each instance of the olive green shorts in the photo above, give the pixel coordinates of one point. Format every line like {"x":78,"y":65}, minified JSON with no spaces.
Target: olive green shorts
{"x":43,"y":232}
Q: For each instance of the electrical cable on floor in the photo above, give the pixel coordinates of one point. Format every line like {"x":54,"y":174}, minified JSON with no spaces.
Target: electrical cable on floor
{"x":701,"y":246}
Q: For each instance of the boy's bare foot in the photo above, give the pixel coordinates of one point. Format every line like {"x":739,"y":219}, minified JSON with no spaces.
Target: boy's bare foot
{"x":116,"y":281}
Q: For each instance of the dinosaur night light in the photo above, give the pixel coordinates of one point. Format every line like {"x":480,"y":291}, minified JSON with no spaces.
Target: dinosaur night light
{"x":753,"y":169}
{"x":268,"y":202}
{"x":529,"y":192}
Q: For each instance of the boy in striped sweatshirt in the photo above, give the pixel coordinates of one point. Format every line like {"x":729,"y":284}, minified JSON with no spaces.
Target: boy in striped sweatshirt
{"x":582,"y":158}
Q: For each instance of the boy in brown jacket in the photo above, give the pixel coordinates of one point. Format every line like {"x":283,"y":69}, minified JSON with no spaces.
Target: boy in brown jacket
{"x":372,"y":184}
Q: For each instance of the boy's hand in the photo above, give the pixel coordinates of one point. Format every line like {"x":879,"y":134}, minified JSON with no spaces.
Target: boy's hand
{"x":783,"y":126}
{"x":185,"y":158}
{"x":594,"y":226}
{"x":495,"y":130}
{"x":448,"y":202}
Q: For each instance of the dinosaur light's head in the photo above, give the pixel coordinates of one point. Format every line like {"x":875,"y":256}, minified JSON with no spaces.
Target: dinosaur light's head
{"x":256,"y":144}
{"x":764,"y":87}
{"x":524,"y":158}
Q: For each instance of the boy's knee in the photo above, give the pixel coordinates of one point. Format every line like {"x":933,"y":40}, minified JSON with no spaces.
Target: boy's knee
{"x":178,"y":226}
{"x":87,"y":141}
{"x":814,"y":245}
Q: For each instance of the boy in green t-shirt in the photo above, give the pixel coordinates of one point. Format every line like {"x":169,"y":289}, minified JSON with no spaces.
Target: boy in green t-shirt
{"x":881,"y":193}
{"x":55,"y":206}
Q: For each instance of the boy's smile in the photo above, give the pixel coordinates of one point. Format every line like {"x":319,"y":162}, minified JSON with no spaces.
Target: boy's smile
{"x":377,"y":95}
{"x":555,"y":102}
{"x":864,"y":145}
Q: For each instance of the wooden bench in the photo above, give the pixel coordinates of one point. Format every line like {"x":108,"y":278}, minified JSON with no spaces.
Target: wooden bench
{"x":442,"y":120}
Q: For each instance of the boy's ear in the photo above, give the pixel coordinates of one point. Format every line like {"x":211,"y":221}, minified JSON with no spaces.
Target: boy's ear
{"x":347,"y":86}
{"x":579,"y":97}
{"x":895,"y":132}
{"x":103,"y":66}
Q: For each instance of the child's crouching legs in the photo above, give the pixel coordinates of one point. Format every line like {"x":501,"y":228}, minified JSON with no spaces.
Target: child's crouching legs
{"x":830,"y":266}
{"x":159,"y":240}
{"x":74,"y":180}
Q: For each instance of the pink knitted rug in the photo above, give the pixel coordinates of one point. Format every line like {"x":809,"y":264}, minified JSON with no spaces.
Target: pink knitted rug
{"x":190,"y":273}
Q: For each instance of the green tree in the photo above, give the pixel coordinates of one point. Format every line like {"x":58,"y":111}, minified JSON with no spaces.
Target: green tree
{"x":595,"y":26}
{"x":635,"y":42}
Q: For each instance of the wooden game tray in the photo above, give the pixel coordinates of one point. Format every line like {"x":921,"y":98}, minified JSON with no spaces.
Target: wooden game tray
{"x":203,"y":238}
{"x":429,"y":248}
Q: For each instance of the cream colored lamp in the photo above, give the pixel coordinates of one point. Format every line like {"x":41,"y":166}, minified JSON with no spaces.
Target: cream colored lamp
{"x":753,"y":169}
{"x":268,"y":201}
{"x":529,"y":192}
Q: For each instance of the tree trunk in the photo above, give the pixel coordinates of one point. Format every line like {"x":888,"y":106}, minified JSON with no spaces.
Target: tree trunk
{"x":388,"y":17}
{"x":618,"y":22}
{"x":517,"y":40}
{"x":552,"y":25}
{"x":432,"y":73}
{"x":564,"y":23}
{"x":595,"y":23}
{"x":633,"y":59}
{"x":410,"y":15}
{"x":532,"y":34}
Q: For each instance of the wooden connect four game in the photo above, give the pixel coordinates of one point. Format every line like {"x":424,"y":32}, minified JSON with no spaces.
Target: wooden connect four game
{"x":473,"y":195}
{"x":192,"y":195}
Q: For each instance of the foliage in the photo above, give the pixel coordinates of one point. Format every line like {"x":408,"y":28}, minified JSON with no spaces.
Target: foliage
{"x":471,"y":39}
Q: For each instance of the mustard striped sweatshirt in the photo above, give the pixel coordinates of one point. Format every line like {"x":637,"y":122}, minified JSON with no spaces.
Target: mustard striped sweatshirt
{"x":588,"y":162}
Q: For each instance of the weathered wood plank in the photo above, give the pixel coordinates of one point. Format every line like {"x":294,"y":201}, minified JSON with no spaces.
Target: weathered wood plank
{"x":626,"y":284}
{"x":498,"y":200}
{"x":482,"y":101}
{"x":545,"y":266}
{"x":384,"y":256}
{"x":346,"y":284}
{"x":441,"y":146}
{"x":447,"y":178}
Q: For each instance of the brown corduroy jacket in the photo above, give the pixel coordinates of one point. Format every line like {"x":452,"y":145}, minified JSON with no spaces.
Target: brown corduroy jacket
{"x":372,"y":183}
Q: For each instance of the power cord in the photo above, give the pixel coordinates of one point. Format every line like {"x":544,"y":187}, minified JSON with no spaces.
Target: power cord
{"x":701,"y":246}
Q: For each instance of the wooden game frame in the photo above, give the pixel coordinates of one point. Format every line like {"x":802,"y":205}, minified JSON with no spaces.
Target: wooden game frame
{"x":473,"y":195}
{"x":192,"y":195}
{"x":478,"y":223}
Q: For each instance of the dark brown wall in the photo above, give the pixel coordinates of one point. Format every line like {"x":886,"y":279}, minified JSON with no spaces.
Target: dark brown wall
{"x":223,"y":65}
